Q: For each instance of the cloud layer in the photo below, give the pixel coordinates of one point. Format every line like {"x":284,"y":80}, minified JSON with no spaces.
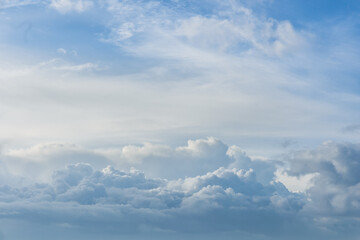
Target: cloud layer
{"x":242,"y":196}
{"x":98,"y":99}
{"x":166,"y":71}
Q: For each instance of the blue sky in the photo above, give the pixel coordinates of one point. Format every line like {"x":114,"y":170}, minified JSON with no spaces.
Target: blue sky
{"x":179,"y":119}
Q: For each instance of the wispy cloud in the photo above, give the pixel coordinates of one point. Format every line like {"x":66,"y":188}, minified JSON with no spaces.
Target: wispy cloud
{"x":17,"y":3}
{"x":263,"y":77}
{"x":158,"y":30}
{"x":65,"y":6}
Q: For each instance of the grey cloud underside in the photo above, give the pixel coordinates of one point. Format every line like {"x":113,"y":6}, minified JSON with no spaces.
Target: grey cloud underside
{"x":126,"y":202}
{"x":242,"y":197}
{"x":354,"y":128}
{"x":336,"y":187}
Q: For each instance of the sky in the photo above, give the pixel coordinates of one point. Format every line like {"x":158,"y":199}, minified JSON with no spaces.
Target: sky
{"x":179,"y":119}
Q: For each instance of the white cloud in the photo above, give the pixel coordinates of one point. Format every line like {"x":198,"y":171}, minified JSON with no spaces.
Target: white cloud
{"x":79,"y":67}
{"x":17,"y":3}
{"x":114,"y":197}
{"x":332,"y":171}
{"x":227,"y":198}
{"x":229,"y":72}
{"x":286,"y":38}
{"x":65,"y":6}
{"x":197,"y":157}
{"x":169,"y":33}
{"x":64,"y":51}
{"x":201,"y":64}
{"x":136,"y":154}
{"x":61,"y":50}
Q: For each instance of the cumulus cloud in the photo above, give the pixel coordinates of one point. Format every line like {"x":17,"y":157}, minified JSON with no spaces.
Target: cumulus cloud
{"x":240,"y":196}
{"x":264,"y":168}
{"x":229,"y":61}
{"x":339,"y":163}
{"x":197,"y":157}
{"x":334,"y":189}
{"x":81,"y":191}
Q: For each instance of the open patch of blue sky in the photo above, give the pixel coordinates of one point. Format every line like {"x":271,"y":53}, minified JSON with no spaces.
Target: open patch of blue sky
{"x":310,"y":12}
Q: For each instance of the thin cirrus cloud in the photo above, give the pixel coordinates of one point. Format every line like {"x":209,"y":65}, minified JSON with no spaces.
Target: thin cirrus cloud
{"x":195,"y":37}
{"x":65,"y":6}
{"x":261,"y":76}
{"x":17,"y":3}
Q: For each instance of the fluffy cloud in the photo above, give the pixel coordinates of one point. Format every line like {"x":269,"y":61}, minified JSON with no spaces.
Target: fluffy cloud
{"x":244,"y":196}
{"x":198,"y":157}
{"x":335,"y":183}
{"x":195,"y":158}
{"x":81,"y":191}
{"x":218,"y":68}
{"x":338,"y":163}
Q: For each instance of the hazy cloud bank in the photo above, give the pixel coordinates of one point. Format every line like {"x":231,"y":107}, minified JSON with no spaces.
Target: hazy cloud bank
{"x":243,"y":194}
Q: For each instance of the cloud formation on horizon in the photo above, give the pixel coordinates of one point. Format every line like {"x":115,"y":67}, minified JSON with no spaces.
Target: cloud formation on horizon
{"x":221,"y":200}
